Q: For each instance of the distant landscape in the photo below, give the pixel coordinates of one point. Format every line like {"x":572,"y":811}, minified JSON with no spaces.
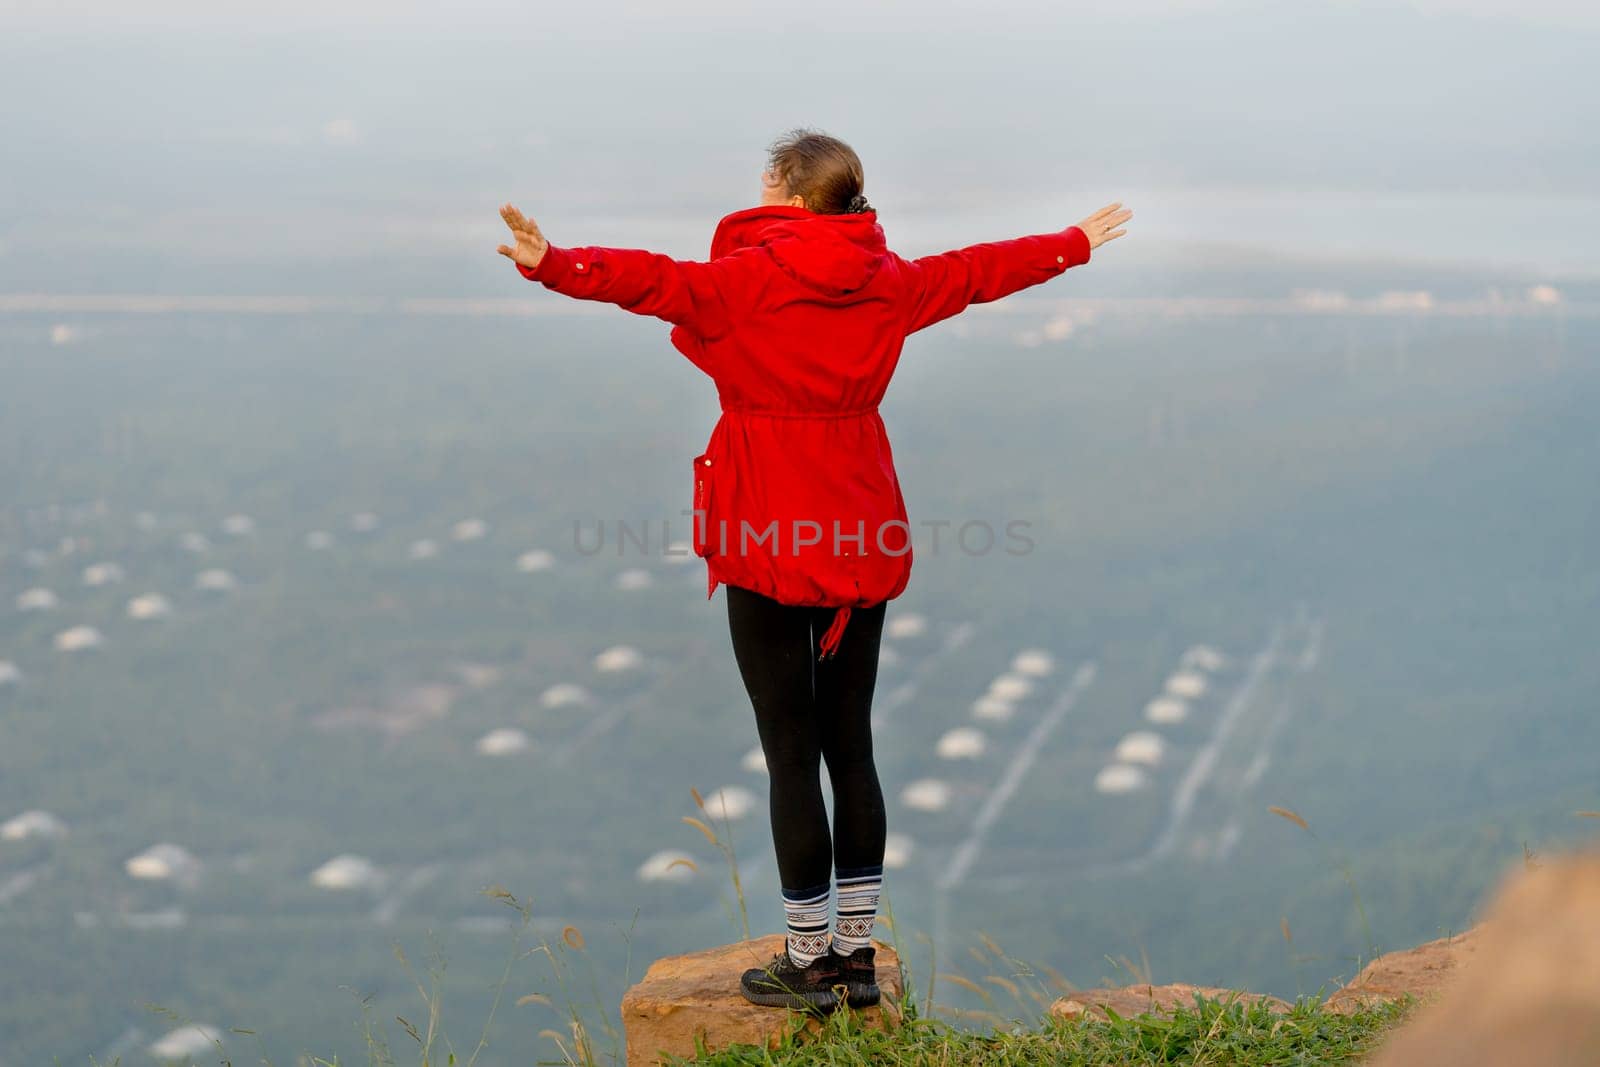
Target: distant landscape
{"x":373,"y":672}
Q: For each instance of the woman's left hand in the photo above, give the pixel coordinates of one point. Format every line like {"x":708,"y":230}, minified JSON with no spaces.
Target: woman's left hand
{"x":530,"y":242}
{"x":1100,"y":227}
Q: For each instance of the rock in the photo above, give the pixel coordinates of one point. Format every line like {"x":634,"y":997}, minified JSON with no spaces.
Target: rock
{"x":1528,"y":991}
{"x":1138,"y":999}
{"x":698,"y":993}
{"x":1421,"y":971}
{"x":1418,"y":971}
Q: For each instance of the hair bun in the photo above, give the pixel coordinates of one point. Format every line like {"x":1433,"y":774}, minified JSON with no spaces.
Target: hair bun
{"x":857,"y":205}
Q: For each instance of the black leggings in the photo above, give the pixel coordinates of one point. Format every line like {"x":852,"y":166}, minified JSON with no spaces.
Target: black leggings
{"x":808,"y":711}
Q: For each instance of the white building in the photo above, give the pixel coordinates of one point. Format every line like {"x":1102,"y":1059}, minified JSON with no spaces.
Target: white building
{"x":1141,"y":746}
{"x":897,"y":849}
{"x":347,"y":871}
{"x":907,"y":625}
{"x":36,"y":599}
{"x":563,"y":694}
{"x":755,"y":761}
{"x":534,"y":560}
{"x":504,"y":741}
{"x":1186,"y":683}
{"x":32,"y":823}
{"x":164,"y":862}
{"x":963,"y":742}
{"x":633,"y":579}
{"x":1204,"y":657}
{"x":993,"y":709}
{"x":730,"y":802}
{"x":618,"y":658}
{"x":149,"y":606}
{"x":78,"y":638}
{"x":103,"y":573}
{"x":469,"y":530}
{"x":215,"y":580}
{"x":926,"y":794}
{"x":1059,"y":327}
{"x":668,"y":865}
{"x":1405,"y":300}
{"x":1119,"y":778}
{"x":186,"y":1043}
{"x":1010,"y":687}
{"x":1165,"y":711}
{"x":1035,"y":662}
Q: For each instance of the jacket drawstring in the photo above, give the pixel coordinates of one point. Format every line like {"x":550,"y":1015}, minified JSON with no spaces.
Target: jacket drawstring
{"x":830,"y":638}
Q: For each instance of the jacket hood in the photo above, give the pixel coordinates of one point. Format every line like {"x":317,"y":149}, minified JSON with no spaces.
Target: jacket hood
{"x":834,"y":254}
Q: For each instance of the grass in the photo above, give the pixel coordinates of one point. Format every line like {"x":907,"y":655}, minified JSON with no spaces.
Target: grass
{"x":1211,"y":1033}
{"x":1344,"y":869}
{"x":1207,"y":1033}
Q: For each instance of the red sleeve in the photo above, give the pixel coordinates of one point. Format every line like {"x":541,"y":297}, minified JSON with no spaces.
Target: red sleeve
{"x":945,"y":284}
{"x":683,"y":292}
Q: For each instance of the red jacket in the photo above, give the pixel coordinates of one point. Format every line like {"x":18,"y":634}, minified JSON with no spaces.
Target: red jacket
{"x":799,"y":319}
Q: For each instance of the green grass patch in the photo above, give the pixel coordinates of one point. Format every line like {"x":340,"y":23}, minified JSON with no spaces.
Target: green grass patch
{"x":1212,"y":1033}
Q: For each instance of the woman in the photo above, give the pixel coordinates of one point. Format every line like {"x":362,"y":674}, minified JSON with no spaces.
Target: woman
{"x":799,"y":316}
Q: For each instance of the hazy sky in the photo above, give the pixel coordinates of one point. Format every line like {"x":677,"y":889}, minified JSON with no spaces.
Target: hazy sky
{"x":79,"y":14}
{"x":148,"y":141}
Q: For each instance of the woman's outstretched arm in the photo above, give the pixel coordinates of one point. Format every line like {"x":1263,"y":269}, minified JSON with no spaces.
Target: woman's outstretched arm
{"x":683,"y":292}
{"x":946,"y":284}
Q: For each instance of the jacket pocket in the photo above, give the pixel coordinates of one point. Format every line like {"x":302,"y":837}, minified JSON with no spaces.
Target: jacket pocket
{"x":701,"y":517}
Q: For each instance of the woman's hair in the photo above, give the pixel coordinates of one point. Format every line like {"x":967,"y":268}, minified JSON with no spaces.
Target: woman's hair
{"x":823,"y":170}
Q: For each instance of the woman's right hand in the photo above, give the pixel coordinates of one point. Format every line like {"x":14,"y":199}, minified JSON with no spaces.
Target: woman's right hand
{"x":1100,"y":225}
{"x":530,"y":242}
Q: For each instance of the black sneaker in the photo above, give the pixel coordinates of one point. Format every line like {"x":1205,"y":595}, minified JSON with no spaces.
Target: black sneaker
{"x":783,"y":984}
{"x":859,"y":972}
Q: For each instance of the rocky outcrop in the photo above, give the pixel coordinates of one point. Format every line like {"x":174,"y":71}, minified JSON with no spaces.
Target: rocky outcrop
{"x":1160,"y":999}
{"x":1528,"y":991}
{"x":680,"y":997}
{"x":1421,"y":972}
{"x":1520,"y":987}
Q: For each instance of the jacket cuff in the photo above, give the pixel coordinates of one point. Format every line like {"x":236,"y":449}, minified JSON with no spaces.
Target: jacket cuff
{"x":551,"y":269}
{"x":1077,"y":252}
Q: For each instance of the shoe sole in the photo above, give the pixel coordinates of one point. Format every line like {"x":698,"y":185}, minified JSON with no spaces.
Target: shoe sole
{"x":861,"y":995}
{"x":823,"y":1001}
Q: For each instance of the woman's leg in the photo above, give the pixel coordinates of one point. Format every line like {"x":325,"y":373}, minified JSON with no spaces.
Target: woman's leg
{"x":845,"y":685}
{"x":772,"y":644}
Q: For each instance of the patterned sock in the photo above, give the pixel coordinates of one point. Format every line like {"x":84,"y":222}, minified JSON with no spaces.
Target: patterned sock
{"x":859,"y":888}
{"x":807,"y":913}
